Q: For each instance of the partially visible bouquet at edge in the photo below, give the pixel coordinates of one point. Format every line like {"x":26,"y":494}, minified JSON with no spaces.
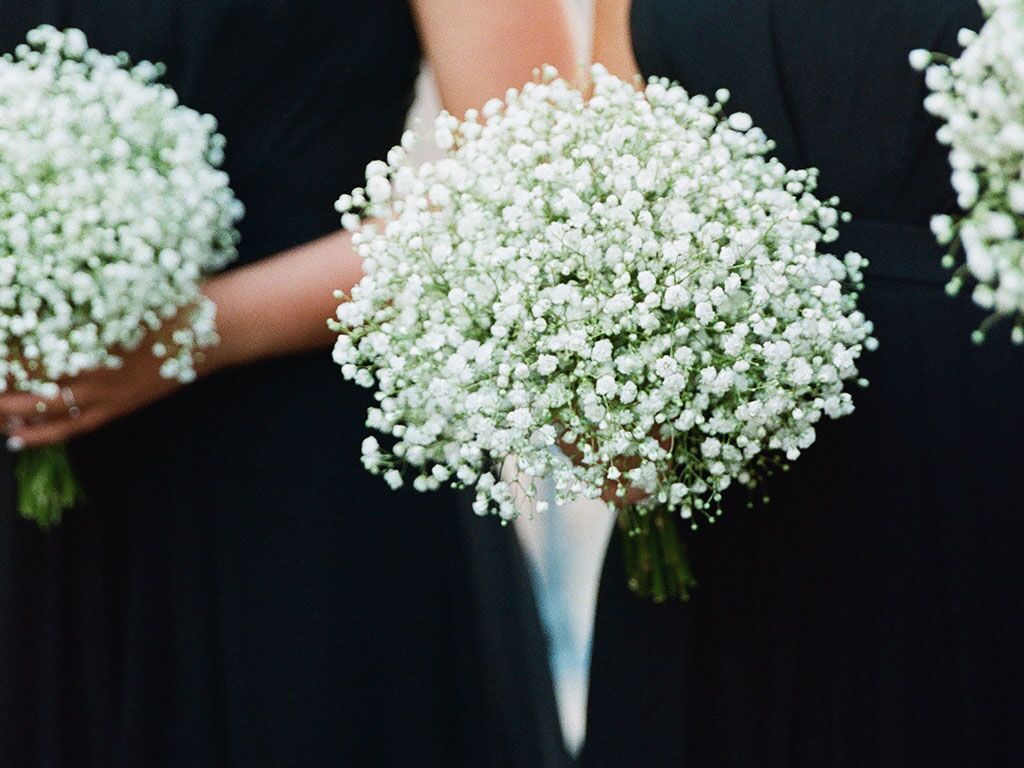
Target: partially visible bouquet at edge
{"x":111,"y":210}
{"x":980,"y":99}
{"x":627,"y":276}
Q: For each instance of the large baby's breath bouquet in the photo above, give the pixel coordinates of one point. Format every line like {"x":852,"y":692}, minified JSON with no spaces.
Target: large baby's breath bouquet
{"x":628,"y":277}
{"x":111,"y":210}
{"x":980,"y":99}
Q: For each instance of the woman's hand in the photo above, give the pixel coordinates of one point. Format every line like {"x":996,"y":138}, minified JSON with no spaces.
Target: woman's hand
{"x":86,"y":402}
{"x":610,"y":492}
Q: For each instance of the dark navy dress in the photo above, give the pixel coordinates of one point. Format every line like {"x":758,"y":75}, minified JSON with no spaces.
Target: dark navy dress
{"x":238,"y":591}
{"x":870,"y":615}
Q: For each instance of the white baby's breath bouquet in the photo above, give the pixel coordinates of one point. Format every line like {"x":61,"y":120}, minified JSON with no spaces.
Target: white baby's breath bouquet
{"x":628,"y":277}
{"x":980,"y":99}
{"x":111,"y":210}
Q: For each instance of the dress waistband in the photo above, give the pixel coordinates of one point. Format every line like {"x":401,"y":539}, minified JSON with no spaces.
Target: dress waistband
{"x":897,"y":251}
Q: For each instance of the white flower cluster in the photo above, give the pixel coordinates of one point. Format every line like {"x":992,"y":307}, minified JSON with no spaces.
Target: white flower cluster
{"x":980,"y":99}
{"x":627,"y":276}
{"x":111,"y":209}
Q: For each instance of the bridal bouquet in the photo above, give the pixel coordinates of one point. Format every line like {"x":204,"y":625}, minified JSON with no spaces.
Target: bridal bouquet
{"x":111,"y":209}
{"x":980,"y":99}
{"x":628,"y":277}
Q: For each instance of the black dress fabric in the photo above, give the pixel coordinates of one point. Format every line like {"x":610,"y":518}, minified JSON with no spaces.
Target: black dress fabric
{"x":869,"y":616}
{"x":237,"y":591}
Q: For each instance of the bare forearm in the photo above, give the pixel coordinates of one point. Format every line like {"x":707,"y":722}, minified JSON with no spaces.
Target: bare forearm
{"x":480,"y":48}
{"x":280,"y":305}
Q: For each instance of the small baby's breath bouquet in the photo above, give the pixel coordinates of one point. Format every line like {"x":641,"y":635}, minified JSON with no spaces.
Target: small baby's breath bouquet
{"x":629,"y":277}
{"x":111,"y":210}
{"x":980,"y":99}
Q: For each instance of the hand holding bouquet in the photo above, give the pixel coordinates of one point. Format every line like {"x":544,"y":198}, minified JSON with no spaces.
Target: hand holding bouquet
{"x":111,"y":210}
{"x":980,"y":99}
{"x":629,"y":274}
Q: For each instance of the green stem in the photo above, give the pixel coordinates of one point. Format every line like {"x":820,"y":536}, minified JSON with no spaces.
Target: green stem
{"x":656,"y":563}
{"x":46,"y":485}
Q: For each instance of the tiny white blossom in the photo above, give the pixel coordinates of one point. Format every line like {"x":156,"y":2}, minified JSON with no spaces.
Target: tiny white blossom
{"x":547,"y":364}
{"x":740,"y":121}
{"x":602,"y":351}
{"x":920,"y":59}
{"x":606,"y":386}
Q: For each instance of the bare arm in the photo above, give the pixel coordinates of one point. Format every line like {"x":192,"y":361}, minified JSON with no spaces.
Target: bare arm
{"x":613,"y":44}
{"x":281,"y":305}
{"x":480,"y":48}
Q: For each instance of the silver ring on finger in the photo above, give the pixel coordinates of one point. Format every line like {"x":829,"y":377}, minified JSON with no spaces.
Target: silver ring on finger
{"x":69,"y":402}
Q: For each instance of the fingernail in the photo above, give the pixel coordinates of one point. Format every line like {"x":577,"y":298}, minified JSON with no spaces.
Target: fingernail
{"x":15,"y":444}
